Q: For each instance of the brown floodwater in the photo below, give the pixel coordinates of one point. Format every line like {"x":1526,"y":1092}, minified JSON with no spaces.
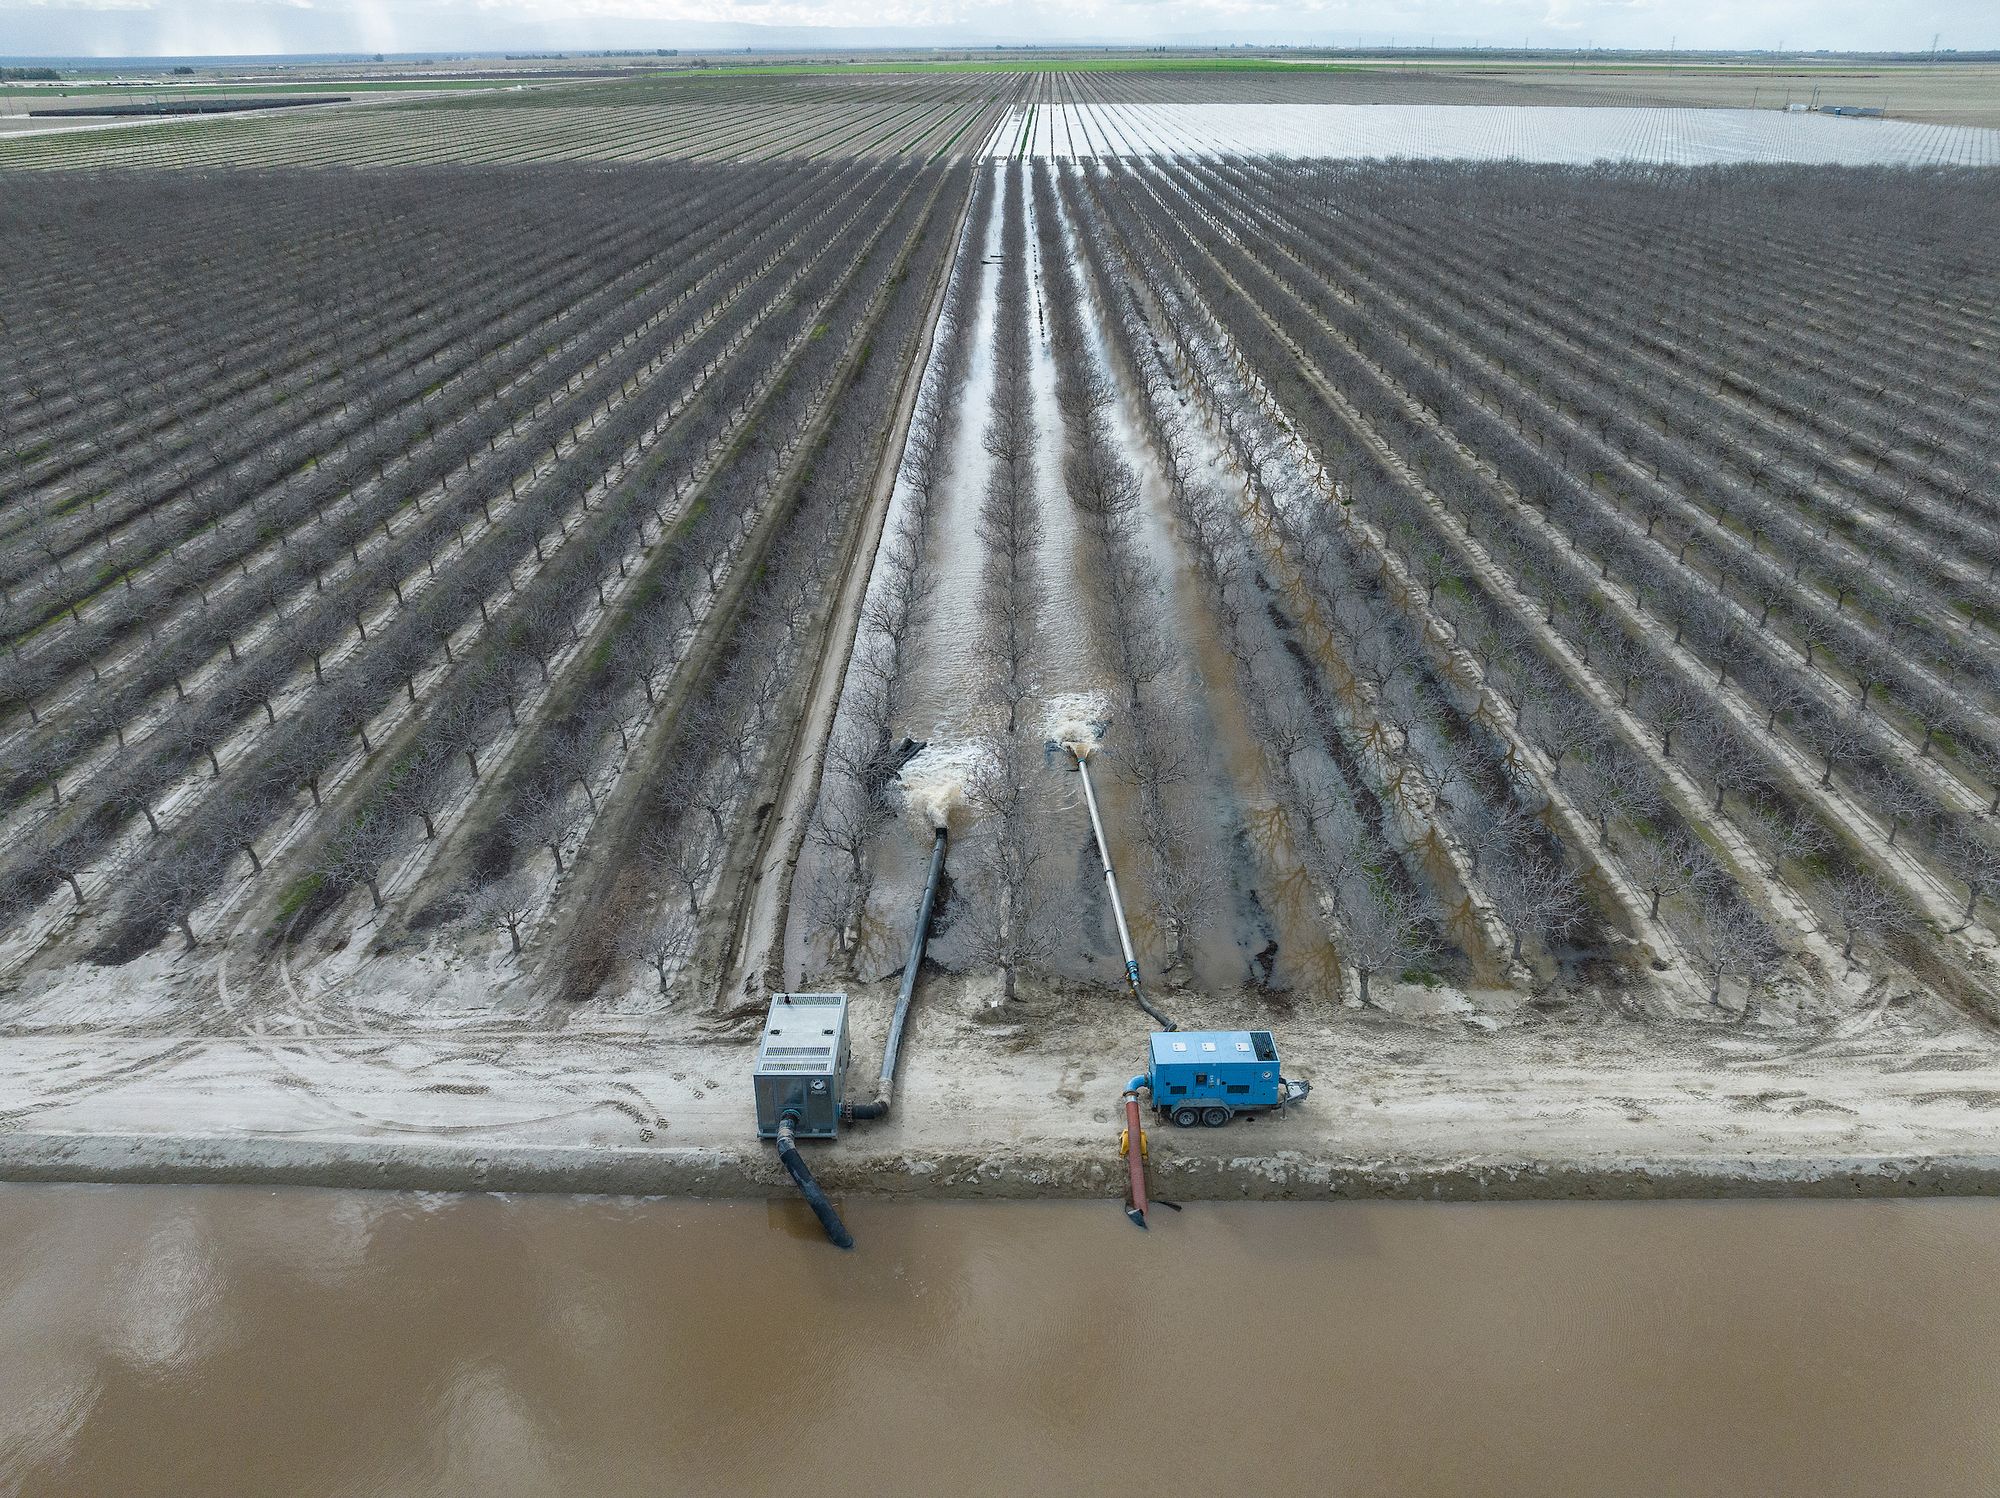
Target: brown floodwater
{"x":220,"y":1341}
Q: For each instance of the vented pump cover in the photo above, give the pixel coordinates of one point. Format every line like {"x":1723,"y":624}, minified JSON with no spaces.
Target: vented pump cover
{"x":802,"y":1064}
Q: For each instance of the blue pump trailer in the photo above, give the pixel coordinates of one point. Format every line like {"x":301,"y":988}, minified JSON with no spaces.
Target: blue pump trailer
{"x":1210,"y":1076}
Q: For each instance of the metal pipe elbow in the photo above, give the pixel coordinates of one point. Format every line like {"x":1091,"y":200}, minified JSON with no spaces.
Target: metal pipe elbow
{"x":864,"y":1111}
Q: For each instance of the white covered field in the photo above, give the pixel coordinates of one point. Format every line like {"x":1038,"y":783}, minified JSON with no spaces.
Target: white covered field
{"x":1686,"y":137}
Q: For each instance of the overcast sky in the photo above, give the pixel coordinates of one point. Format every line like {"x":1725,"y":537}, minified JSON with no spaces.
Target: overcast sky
{"x":240,"y":27}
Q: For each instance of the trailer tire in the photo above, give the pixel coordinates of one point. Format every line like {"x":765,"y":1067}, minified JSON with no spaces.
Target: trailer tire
{"x":1186,"y":1118}
{"x":1215,"y":1118}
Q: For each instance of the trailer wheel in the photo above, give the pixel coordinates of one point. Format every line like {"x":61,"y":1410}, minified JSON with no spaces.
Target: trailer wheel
{"x":1215,"y":1118}
{"x":1186,"y":1118}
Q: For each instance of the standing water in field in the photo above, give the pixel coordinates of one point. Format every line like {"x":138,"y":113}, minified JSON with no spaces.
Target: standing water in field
{"x":1066,"y":578}
{"x":1498,"y":132}
{"x":1203,"y":774}
{"x":946,"y":692}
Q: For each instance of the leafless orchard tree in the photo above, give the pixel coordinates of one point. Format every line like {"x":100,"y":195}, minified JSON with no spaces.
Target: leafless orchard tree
{"x":1728,"y":940}
{"x":1381,"y":928}
{"x":507,"y":903}
{"x":684,"y":854}
{"x":1613,"y":783}
{"x":1791,"y":834}
{"x":1537,"y":897}
{"x":1862,"y":909}
{"x":425,"y":787}
{"x":1979,"y":866}
{"x":1676,"y":865}
{"x":664,"y":944}
{"x":546,"y":817}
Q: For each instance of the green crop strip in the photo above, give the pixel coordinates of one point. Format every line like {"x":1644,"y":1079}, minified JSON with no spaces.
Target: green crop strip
{"x":302,"y":890}
{"x":139,"y":93}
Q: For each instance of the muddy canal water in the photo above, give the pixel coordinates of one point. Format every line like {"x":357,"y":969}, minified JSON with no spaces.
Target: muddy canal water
{"x":244,"y":1341}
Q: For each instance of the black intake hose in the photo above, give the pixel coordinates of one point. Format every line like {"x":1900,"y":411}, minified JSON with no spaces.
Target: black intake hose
{"x":788,"y":1156}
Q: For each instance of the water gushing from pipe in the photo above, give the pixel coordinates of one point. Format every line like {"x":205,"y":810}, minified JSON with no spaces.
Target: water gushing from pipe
{"x":936,"y":779}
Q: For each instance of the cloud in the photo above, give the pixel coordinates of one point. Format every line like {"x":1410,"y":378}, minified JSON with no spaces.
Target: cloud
{"x":246,"y":27}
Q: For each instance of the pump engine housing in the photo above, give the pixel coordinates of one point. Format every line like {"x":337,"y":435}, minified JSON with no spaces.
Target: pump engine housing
{"x":802,"y":1065}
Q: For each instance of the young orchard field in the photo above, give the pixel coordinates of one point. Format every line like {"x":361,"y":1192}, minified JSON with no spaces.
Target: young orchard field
{"x":497,"y":532}
{"x":1531,"y":583}
{"x":745,"y":119}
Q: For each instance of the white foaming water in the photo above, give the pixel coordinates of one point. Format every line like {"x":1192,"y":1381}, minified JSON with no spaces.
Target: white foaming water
{"x":1077,"y":717}
{"x":936,"y":777}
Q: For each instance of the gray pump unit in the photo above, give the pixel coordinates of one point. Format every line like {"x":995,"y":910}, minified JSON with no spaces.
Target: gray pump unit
{"x":802,"y":1065}
{"x":801,"y":1074}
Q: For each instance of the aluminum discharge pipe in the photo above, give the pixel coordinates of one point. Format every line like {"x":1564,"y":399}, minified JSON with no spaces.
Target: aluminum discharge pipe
{"x":1081,"y":754}
{"x":885,"y":1085}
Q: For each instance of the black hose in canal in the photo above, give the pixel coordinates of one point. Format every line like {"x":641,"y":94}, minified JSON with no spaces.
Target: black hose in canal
{"x":816,"y":1198}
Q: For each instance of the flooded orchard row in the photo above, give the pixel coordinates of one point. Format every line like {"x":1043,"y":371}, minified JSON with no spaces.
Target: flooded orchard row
{"x":173,"y":1341}
{"x":1108,"y":544}
{"x":1102,"y":599}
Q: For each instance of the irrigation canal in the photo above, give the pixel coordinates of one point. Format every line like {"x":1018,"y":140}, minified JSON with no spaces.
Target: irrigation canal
{"x":219,"y":1341}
